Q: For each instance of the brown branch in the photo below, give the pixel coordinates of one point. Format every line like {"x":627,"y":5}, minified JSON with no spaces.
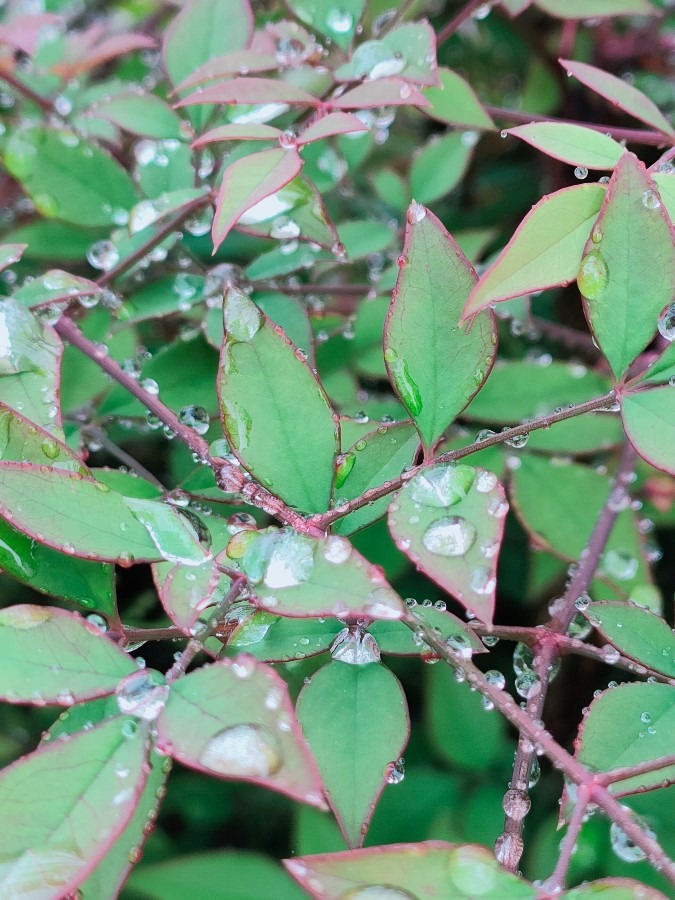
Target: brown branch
{"x":644,"y":768}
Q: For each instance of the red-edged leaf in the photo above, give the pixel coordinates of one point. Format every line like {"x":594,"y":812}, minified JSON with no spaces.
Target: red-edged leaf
{"x":545,"y":249}
{"x":613,"y":889}
{"x":55,"y":286}
{"x":426,"y":869}
{"x":188,"y":590}
{"x":236,"y":62}
{"x":248,"y":181}
{"x":383,"y":92}
{"x":252,"y":91}
{"x":574,"y":144}
{"x":333,"y":123}
{"x":252,"y":132}
{"x":619,"y":93}
{"x":10,"y":253}
{"x":235,"y":719}
{"x":24,"y":31}
{"x":449,"y":520}
{"x":49,"y":655}
{"x":24,"y":441}
{"x":82,"y":792}
{"x":649,"y":422}
{"x":110,"y":48}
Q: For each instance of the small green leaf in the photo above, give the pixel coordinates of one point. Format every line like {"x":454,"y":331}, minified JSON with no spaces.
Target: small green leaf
{"x":295,"y":575}
{"x":81,"y":804}
{"x":628,"y":725}
{"x":637,"y":633}
{"x":143,"y":114}
{"x":69,"y":178}
{"x":337,"y":22}
{"x":10,"y":253}
{"x":439,"y":166}
{"x":626,"y":276}
{"x":408,"y":50}
{"x":581,"y":9}
{"x":614,"y":889}
{"x":434,"y":364}
{"x":234,"y":719}
{"x":55,"y":285}
{"x":449,"y":520}
{"x":545,"y":250}
{"x":188,"y":590}
{"x":573,"y":144}
{"x":455,"y":103}
{"x":649,"y":421}
{"x":273,"y":638}
{"x":276,"y":415}
{"x":355,"y":719}
{"x":426,"y":869}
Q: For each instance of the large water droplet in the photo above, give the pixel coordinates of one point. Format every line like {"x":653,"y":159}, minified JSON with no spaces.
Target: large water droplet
{"x":103,"y":255}
{"x":339,"y":21}
{"x":623,"y":846}
{"x":358,"y":648}
{"x":450,"y":536}
{"x":377,"y":892}
{"x":241,"y":317}
{"x":650,"y":200}
{"x":482,"y":580}
{"x":666,"y":323}
{"x":593,"y":276}
{"x":337,"y":549}
{"x":245,"y":750}
{"x":195,"y":417}
{"x":142,"y":694}
{"x":442,"y":486}
{"x":620,"y":564}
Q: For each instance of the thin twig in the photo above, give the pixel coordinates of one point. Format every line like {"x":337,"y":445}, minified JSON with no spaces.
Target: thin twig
{"x":28,"y":93}
{"x":644,"y":768}
{"x":465,"y":13}
{"x":555,"y":884}
{"x":93,"y":432}
{"x":572,"y":338}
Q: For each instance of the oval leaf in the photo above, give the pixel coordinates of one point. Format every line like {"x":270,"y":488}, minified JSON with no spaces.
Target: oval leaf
{"x":455,"y":103}
{"x":572,"y":144}
{"x":353,"y":739}
{"x":278,"y":639}
{"x":383,"y":92}
{"x":649,"y":421}
{"x":637,"y":633}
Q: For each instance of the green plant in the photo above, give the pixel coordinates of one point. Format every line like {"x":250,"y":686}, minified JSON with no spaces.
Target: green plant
{"x":251,"y":397}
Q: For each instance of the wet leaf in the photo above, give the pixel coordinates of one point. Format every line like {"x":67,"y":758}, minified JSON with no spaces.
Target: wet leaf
{"x":23,"y":441}
{"x":397,"y":639}
{"x":614,"y":889}
{"x":188,"y":590}
{"x":637,"y":633}
{"x":545,"y":250}
{"x":234,"y":719}
{"x":628,"y":725}
{"x":330,"y":125}
{"x":455,"y":103}
{"x":295,"y":575}
{"x":383,"y":92}
{"x":649,"y":421}
{"x":574,"y":144}
{"x":84,"y":791}
{"x":434,"y":364}
{"x":228,"y":64}
{"x":48,"y":655}
{"x":10,"y":253}
{"x":276,"y":415}
{"x":431,"y":868}
{"x":142,"y":114}
{"x":581,"y":9}
{"x":55,"y":285}
{"x":352,"y":738}
{"x":245,"y":91}
{"x":408,"y":50}
{"x":627,"y":273}
{"x":449,"y":521}
{"x":335,"y":22}
{"x":273,"y":638}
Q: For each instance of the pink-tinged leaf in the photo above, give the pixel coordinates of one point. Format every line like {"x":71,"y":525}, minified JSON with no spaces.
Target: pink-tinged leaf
{"x":10,"y":253}
{"x":106,"y":50}
{"x":81,"y":803}
{"x":408,"y":51}
{"x":252,"y":132}
{"x":23,"y":441}
{"x":649,"y":422}
{"x":573,"y":144}
{"x":236,"y":62}
{"x":252,"y":91}
{"x":248,"y":181}
{"x":332,"y":124}
{"x":545,"y":250}
{"x":613,"y":889}
{"x":83,"y":517}
{"x":49,"y":655}
{"x":449,"y":521}
{"x":23,"y":32}
{"x":55,"y":286}
{"x":582,"y":9}
{"x":296,"y":575}
{"x":383,"y":92}
{"x":354,"y":740}
{"x":627,"y":273}
{"x":455,"y":103}
{"x":620,"y":94}
{"x":234,"y":719}
{"x":188,"y":590}
{"x":426,"y":869}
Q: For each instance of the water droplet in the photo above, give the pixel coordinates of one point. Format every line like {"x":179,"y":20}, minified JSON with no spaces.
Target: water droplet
{"x":666,"y":323}
{"x":460,"y":643}
{"x":195,"y":417}
{"x":651,"y":200}
{"x":528,"y":684}
{"x":645,"y":717}
{"x":355,"y":647}
{"x":482,"y":580}
{"x":621,"y":564}
{"x":416,"y":213}
{"x":377,"y":892}
{"x":244,"y":750}
{"x":450,"y":536}
{"x":593,"y":276}
{"x":483,"y":435}
{"x":142,"y":694}
{"x":581,"y":172}
{"x":344,"y":465}
{"x":623,"y":846}
{"x":396,"y":771}
{"x":516,"y":804}
{"x":383,"y":603}
{"x":518,"y":440}
{"x":242,"y":318}
{"x":610,"y":654}
{"x":103,"y":255}
{"x":535,"y":773}
{"x":337,"y":549}
{"x":486,"y":481}
{"x":98,"y":622}
{"x":405,"y":386}
{"x":579,"y":628}
{"x":150,"y":385}
{"x":50,"y":448}
{"x":496,"y":678}
{"x":339,"y":21}
{"x":442,"y":486}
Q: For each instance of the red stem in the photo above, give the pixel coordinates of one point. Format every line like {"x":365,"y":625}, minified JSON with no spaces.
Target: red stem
{"x":465,"y":13}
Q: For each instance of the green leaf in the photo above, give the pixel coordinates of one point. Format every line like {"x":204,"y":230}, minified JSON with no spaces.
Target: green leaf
{"x":143,"y":114}
{"x":439,"y":166}
{"x":665,"y":184}
{"x":295,"y":575}
{"x":397,"y":639}
{"x":378,"y":456}
{"x":273,"y":638}
{"x":660,"y":371}
{"x":30,"y":360}
{"x":188,"y":590}
{"x":276,"y":415}
{"x":637,"y":633}
{"x":628,"y":725}
{"x":56,"y":285}
{"x":68,"y":178}
{"x":435,"y":365}
{"x":649,"y":421}
{"x":335,"y":22}
{"x":429,"y":868}
{"x":237,"y":874}
{"x":83,"y":517}
{"x":164,"y":297}
{"x":249,"y":181}
{"x":619,"y":93}
{"x":449,"y":520}
{"x":573,"y":144}
{"x":362,"y":238}
{"x":455,"y":103}
{"x":234,"y":719}
{"x":355,"y":719}
{"x":408,"y":50}
{"x":23,"y":441}
{"x":626,"y":276}
{"x":10,"y":253}
{"x":451,"y":713}
{"x":81,"y":805}
{"x":575,"y":495}
{"x":582,"y":9}
{"x":48,"y":655}
{"x":545,"y":250}
{"x":614,"y":889}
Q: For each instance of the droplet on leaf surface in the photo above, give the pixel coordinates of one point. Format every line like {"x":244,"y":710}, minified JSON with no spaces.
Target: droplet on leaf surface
{"x":142,"y":694}
{"x":246,"y":750}
{"x":450,"y":536}
{"x":593,"y":276}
